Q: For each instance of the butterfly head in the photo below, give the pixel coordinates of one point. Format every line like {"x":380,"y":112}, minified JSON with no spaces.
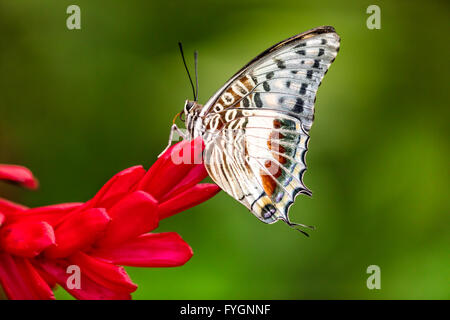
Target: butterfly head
{"x":188,"y":106}
{"x":192,"y":108}
{"x":189,"y":114}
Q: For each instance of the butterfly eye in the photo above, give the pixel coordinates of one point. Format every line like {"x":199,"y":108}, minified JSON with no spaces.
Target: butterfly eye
{"x":188,"y":106}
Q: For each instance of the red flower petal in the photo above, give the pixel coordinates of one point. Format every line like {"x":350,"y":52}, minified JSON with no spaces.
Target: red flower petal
{"x":18,"y":174}
{"x":26,"y":239}
{"x":50,"y":214}
{"x":183,"y":157}
{"x":117,"y":187}
{"x":187,"y":199}
{"x":197,"y":174}
{"x":151,"y":173}
{"x":104,"y":273}
{"x":7,"y":207}
{"x":149,"y":250}
{"x":21,"y":281}
{"x":47,"y":278}
{"x":2,"y":218}
{"x":78,"y":231}
{"x":132,"y":216}
{"x":89,"y":289}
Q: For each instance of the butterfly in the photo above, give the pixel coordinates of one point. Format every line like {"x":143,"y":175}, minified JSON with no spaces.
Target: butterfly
{"x":256,"y":127}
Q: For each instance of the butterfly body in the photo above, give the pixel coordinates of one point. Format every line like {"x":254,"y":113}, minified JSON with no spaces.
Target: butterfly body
{"x":256,"y":127}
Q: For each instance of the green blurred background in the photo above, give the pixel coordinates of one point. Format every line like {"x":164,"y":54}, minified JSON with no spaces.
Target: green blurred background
{"x":78,"y":106}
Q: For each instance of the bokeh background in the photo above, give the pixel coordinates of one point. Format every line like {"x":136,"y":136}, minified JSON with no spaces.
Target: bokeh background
{"x":78,"y":106}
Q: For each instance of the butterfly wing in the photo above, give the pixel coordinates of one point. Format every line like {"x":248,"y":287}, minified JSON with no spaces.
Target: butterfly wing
{"x":256,"y":127}
{"x":258,"y":157}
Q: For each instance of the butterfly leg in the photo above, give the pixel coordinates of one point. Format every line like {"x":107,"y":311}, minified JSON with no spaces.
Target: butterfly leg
{"x":173,"y":129}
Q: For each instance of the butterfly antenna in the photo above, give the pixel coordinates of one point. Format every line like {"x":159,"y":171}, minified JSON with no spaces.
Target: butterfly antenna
{"x":196,"y":74}
{"x":187,"y":70}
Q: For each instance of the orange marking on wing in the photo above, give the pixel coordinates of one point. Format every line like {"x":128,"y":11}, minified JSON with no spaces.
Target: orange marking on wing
{"x":275,"y":146}
{"x":273,"y":168}
{"x":280,"y":158}
{"x":246,"y":82}
{"x":218,"y":117}
{"x":269,"y":184}
{"x":236,"y":97}
{"x":275,"y":135}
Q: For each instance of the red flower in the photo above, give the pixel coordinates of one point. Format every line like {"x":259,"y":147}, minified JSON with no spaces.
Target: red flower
{"x":18,"y":174}
{"x":39,"y":246}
